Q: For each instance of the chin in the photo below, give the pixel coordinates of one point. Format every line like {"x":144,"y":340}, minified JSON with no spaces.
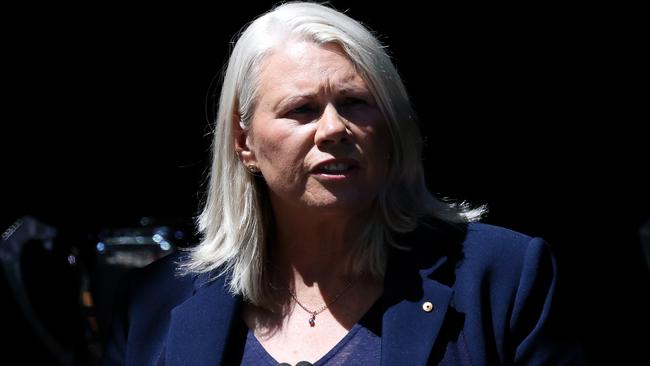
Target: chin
{"x":343,"y":203}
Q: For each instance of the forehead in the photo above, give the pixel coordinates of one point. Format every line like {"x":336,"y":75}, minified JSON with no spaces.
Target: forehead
{"x":306,"y":65}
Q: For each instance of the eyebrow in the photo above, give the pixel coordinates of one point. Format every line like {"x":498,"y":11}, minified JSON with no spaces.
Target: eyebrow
{"x":353,"y":90}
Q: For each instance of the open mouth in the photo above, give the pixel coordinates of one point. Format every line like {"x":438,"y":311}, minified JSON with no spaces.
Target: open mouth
{"x":334,"y":168}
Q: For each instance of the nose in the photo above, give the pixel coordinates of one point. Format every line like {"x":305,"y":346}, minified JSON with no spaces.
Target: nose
{"x":331,"y":128}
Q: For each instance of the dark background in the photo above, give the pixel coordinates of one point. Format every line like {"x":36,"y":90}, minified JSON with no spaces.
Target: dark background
{"x":534,"y":110}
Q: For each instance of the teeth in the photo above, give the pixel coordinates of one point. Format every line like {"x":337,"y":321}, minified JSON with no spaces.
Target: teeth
{"x":335,"y":167}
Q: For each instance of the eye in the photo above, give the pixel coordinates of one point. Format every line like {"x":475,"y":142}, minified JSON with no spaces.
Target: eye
{"x":302,"y":112}
{"x":303,"y":109}
{"x":352,"y":101}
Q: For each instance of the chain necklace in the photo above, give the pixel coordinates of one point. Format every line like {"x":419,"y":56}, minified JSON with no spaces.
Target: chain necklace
{"x":312,"y":318}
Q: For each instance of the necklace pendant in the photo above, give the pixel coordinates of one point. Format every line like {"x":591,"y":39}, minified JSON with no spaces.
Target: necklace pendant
{"x":312,"y":320}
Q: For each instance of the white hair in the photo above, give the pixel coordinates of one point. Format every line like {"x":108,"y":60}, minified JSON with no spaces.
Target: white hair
{"x":236,"y":220}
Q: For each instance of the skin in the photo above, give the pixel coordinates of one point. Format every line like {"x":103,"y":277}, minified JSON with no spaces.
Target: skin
{"x":321,"y":143}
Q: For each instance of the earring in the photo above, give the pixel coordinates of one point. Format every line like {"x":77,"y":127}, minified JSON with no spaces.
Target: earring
{"x":253,"y":169}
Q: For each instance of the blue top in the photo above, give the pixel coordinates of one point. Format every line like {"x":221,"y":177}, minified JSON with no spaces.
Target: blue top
{"x":359,"y":347}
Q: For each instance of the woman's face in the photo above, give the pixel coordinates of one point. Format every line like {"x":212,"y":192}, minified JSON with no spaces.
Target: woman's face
{"x":317,"y":134}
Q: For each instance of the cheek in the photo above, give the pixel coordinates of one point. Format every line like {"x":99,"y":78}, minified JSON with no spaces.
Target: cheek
{"x":384,"y":141}
{"x":280,"y":156}
{"x":378,"y":143}
{"x":378,"y":148}
{"x":265,"y":140}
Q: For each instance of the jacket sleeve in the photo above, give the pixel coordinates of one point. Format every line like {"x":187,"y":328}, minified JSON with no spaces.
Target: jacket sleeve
{"x":114,"y":352}
{"x":539,"y":334}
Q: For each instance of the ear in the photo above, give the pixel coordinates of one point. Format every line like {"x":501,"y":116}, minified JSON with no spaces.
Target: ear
{"x":242,"y":148}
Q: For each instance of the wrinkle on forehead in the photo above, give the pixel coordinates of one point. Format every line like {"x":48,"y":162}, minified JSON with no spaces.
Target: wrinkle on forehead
{"x":321,"y":69}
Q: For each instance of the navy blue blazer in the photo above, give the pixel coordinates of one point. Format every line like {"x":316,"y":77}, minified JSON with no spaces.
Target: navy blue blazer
{"x":491,"y":289}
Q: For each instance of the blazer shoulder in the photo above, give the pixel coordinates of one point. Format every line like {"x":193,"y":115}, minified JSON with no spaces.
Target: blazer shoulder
{"x":502,"y":252}
{"x":505,"y":286}
{"x":485,"y":238}
{"x":163,"y":269}
{"x":495,"y":235}
{"x":160,"y":282}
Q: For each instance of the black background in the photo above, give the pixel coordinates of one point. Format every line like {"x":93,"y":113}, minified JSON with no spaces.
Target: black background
{"x":535,"y":110}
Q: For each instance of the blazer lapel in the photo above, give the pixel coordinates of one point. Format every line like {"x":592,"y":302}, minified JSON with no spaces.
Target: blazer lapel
{"x":409,"y":331}
{"x":200,"y":326}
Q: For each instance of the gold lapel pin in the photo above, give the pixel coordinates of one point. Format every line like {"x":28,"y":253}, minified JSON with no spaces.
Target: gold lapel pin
{"x":427,"y":306}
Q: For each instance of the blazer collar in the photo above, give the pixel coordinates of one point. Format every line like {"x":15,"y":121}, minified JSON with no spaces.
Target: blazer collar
{"x":200,"y":326}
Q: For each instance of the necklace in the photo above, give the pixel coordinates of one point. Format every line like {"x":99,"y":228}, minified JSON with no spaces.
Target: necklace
{"x":312,"y":318}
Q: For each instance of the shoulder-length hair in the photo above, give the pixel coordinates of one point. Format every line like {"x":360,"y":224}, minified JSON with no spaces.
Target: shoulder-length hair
{"x":236,"y":220}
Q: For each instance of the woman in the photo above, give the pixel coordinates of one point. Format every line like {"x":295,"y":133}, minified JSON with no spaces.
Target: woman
{"x":321,"y":243}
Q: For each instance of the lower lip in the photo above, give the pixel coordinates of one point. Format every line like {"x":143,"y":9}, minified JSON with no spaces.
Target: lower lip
{"x":334,"y":177}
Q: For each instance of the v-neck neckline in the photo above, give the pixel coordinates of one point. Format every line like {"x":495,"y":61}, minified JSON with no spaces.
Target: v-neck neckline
{"x":270,"y":360}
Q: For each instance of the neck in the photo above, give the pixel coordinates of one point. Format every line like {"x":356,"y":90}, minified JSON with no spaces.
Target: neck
{"x":309,"y":255}
{"x":314,"y":250}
